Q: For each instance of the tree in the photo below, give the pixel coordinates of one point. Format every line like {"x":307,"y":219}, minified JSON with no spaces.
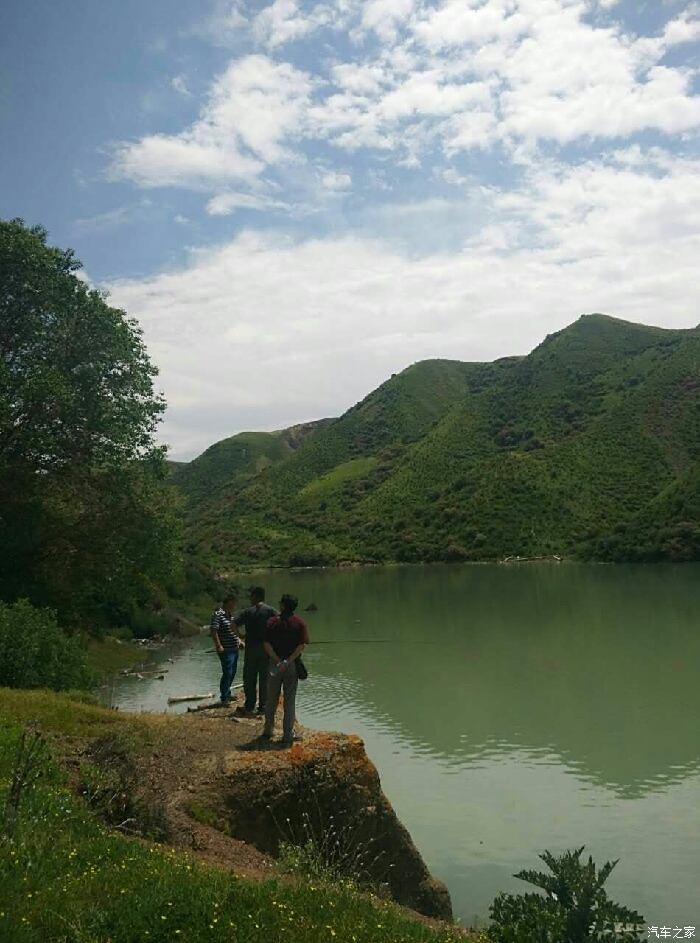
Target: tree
{"x":575,"y":908}
{"x":87,"y":519}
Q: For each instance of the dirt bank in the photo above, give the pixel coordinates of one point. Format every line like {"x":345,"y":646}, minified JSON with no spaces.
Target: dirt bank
{"x":233,"y":799}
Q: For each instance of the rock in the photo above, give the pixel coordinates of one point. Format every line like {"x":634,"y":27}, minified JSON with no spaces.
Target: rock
{"x":326,"y":786}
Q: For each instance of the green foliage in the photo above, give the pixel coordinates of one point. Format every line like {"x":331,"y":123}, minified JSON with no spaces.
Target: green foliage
{"x":574,"y":909}
{"x":89,"y":524}
{"x":36,"y":653}
{"x":588,"y":447}
{"x":331,"y":849}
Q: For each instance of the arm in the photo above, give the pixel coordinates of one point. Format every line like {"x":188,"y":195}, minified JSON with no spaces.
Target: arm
{"x":303,"y":643}
{"x":213,"y":631}
{"x":271,"y":653}
{"x":239,"y":621}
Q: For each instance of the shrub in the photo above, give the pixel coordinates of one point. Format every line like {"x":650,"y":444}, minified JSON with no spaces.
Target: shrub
{"x":36,"y":653}
{"x":575,"y":908}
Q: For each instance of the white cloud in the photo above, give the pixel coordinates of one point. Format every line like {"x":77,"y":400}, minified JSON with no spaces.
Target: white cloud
{"x":252,"y":109}
{"x":179,"y":84}
{"x":223,"y":204}
{"x":283,"y":21}
{"x":186,"y":160}
{"x":618,"y":236}
{"x":332,"y":180}
{"x":685,"y":28}
{"x":384,"y":17}
{"x":465,"y":75}
{"x":461,"y":22}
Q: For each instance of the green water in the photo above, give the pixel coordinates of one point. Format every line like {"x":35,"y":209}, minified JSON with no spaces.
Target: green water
{"x":512,"y":709}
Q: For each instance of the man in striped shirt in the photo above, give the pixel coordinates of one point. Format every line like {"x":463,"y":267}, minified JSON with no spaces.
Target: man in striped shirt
{"x":226,"y":643}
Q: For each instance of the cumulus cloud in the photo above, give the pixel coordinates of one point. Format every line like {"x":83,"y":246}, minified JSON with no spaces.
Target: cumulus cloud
{"x":251,"y":110}
{"x":458,"y":75}
{"x":284,"y":21}
{"x":332,"y":180}
{"x":338,"y":315}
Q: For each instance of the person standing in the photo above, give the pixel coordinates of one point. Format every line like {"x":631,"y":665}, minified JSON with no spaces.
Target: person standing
{"x":253,"y":621}
{"x":226,"y":643}
{"x":286,"y":637}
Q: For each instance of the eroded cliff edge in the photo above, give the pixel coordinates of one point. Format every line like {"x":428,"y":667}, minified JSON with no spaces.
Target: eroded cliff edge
{"x":234,"y":800}
{"x":327,"y":790}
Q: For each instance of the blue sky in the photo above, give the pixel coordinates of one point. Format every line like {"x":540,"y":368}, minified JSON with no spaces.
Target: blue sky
{"x":297,"y":199}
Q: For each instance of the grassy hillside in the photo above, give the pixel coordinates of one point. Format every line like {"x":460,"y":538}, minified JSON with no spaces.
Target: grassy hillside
{"x":587,"y":447}
{"x":69,"y":878}
{"x":234,"y":461}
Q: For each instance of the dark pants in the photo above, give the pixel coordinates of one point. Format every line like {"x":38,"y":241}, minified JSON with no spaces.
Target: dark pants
{"x":255,"y":668}
{"x":229,"y":661}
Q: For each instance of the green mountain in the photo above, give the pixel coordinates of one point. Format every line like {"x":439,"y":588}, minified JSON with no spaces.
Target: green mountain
{"x":232,"y":462}
{"x":587,"y":447}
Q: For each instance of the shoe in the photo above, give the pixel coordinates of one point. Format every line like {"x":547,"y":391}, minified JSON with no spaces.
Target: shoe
{"x":288,"y":743}
{"x":265,"y":735}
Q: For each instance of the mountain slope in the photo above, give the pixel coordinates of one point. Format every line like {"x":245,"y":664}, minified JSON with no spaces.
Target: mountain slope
{"x":233,"y":461}
{"x":568,"y":450}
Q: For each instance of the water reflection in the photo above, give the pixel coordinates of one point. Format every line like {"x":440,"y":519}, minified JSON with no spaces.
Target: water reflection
{"x":595,"y":664}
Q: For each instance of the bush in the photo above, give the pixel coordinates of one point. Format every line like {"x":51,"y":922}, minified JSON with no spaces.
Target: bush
{"x":575,"y":909}
{"x":36,"y":653}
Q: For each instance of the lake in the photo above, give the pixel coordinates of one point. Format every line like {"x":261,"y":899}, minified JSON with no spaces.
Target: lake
{"x":510,"y":709}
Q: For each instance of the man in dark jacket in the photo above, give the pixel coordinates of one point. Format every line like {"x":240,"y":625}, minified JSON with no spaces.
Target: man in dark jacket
{"x":254,"y":621}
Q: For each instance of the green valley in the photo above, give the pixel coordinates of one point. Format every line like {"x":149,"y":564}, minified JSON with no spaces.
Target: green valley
{"x":589,"y":447}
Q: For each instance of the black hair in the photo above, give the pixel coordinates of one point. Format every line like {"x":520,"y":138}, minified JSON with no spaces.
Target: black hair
{"x":258,"y":592}
{"x":230,"y":595}
{"x":289,"y":602}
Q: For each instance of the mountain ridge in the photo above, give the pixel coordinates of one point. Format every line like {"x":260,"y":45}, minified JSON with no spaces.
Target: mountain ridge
{"x":565,"y":451}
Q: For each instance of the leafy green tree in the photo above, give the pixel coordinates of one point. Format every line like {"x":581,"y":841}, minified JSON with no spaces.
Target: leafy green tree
{"x":36,"y":653}
{"x":87,"y":520}
{"x":574,"y":909}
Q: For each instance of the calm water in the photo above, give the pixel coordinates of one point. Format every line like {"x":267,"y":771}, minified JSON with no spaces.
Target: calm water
{"x":512,"y":709}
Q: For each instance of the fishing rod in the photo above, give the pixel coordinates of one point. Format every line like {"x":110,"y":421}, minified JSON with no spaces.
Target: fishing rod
{"x":329,"y":641}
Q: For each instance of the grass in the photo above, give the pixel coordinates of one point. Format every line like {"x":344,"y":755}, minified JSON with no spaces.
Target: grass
{"x":65,"y":878}
{"x":71,"y":714}
{"x":331,"y":482}
{"x":108,"y":655}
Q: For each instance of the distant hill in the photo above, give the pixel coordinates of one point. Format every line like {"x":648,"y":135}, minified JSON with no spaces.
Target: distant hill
{"x":587,"y":447}
{"x":232,"y":462}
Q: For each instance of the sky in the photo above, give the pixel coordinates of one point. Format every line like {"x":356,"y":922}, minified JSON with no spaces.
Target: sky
{"x":297,"y":199}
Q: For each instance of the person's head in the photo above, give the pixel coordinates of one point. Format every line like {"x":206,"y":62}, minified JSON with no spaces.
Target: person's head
{"x":230,"y":600}
{"x":288,"y":604}
{"x":257,"y":595}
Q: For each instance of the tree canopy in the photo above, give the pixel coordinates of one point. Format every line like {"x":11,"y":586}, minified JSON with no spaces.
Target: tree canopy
{"x":87,"y":521}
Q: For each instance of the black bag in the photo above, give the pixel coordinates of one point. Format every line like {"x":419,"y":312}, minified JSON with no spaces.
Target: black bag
{"x":302,"y":673}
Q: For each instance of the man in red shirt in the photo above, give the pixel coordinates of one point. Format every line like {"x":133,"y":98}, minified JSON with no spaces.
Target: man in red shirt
{"x":286,"y":636}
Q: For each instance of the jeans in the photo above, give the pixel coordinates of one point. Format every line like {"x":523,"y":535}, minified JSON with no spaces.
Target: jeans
{"x":229,"y":662}
{"x":287,"y":681}
{"x":255,"y":670}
